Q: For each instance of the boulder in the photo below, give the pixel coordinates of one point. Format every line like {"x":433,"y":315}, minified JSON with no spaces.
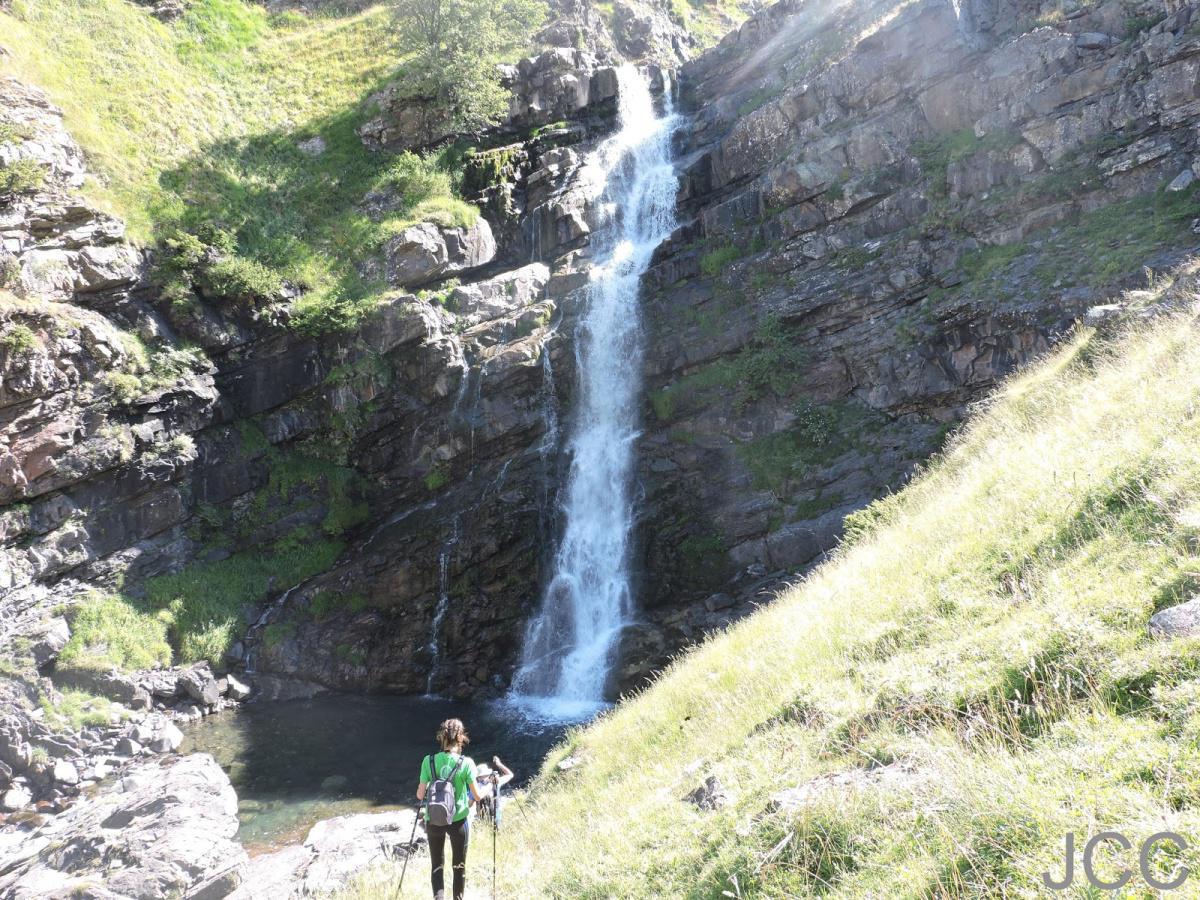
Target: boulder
{"x":65,"y":773}
{"x":49,"y":641}
{"x":127,"y":746}
{"x":710,"y":795}
{"x":425,"y":252}
{"x":199,"y":684}
{"x":336,"y":852}
{"x":168,"y":833}
{"x":499,"y":296}
{"x":116,"y":686}
{"x":15,"y":798}
{"x":167,"y":740}
{"x":1177,"y":621}
{"x":236,"y":689}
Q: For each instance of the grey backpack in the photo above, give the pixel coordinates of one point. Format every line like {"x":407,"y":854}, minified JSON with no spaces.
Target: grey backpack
{"x":441,"y":794}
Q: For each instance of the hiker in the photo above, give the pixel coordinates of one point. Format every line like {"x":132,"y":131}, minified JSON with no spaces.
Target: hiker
{"x":497,"y":775}
{"x":455,"y":775}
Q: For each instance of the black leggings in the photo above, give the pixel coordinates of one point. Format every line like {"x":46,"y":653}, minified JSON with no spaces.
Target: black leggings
{"x":459,"y":834}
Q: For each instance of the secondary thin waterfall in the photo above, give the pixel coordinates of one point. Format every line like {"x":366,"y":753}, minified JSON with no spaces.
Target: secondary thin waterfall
{"x":569,"y":645}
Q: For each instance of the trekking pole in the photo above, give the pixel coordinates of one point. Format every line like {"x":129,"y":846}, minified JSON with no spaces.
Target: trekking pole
{"x":495,"y":828}
{"x":408,"y":851}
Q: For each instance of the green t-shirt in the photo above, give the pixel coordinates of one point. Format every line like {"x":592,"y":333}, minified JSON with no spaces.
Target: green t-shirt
{"x":463,"y":779}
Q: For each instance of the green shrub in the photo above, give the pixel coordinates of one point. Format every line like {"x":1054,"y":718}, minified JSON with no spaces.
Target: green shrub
{"x":436,"y":479}
{"x":21,"y":177}
{"x":109,"y":631}
{"x":242,"y":280}
{"x":713,"y":262}
{"x":18,"y":339}
{"x":416,"y":178}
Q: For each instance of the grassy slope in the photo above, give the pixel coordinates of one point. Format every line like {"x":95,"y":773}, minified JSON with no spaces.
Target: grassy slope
{"x":986,"y":638}
{"x":200,"y":121}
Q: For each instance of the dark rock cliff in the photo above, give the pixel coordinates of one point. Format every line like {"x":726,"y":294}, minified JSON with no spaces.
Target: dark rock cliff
{"x":888,"y":208}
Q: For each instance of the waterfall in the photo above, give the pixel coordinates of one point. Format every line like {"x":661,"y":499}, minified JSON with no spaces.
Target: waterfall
{"x":570,"y":643}
{"x":443,"y":605}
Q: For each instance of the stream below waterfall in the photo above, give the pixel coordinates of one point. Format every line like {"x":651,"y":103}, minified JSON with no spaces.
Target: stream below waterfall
{"x":296,"y":762}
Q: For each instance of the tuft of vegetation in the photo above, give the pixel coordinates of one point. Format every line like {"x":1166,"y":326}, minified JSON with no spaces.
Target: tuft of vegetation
{"x":14,"y":132}
{"x":18,"y":339}
{"x":436,"y":478}
{"x":326,"y":603}
{"x":114,"y":632}
{"x":74,"y":709}
{"x":242,"y":280}
{"x":769,"y":364}
{"x":148,"y":370}
{"x":22,"y":176}
{"x":974,"y":669}
{"x":818,"y":434}
{"x":714,"y":262}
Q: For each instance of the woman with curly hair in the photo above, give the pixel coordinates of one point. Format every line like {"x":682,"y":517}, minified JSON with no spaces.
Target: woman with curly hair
{"x":452,"y":766}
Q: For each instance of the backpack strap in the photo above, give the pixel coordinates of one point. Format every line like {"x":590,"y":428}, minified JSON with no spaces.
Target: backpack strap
{"x":433,"y":775}
{"x":457,"y":766}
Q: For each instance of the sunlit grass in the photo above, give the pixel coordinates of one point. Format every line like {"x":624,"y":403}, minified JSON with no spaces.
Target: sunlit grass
{"x":976,"y":665}
{"x":202,"y":122}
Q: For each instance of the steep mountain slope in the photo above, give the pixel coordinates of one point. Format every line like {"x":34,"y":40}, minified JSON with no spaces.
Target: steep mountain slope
{"x":931,"y":711}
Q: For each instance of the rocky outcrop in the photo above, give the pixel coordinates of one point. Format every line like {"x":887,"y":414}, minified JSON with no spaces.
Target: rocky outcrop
{"x":52,"y":244}
{"x":887,"y":210}
{"x":425,"y":252}
{"x":335,"y":853}
{"x":162,"y":830}
{"x":882,"y":224}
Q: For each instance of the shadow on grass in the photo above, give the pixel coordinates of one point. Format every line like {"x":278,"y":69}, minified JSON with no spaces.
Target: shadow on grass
{"x":293,"y":197}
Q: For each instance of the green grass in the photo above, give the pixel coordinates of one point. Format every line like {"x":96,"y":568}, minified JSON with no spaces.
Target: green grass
{"x":109,"y":631}
{"x":707,"y":20}
{"x":75,"y":709}
{"x":769,"y":364}
{"x":1096,"y":249}
{"x":714,"y":262}
{"x":819,"y":434}
{"x":200,"y":122}
{"x":206,"y":603}
{"x":982,"y":636}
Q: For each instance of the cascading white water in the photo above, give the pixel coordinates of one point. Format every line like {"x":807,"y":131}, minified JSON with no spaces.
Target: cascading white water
{"x":569,"y":644}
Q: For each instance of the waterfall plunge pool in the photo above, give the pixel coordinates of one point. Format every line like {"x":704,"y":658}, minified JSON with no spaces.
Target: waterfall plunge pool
{"x":296,"y":762}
